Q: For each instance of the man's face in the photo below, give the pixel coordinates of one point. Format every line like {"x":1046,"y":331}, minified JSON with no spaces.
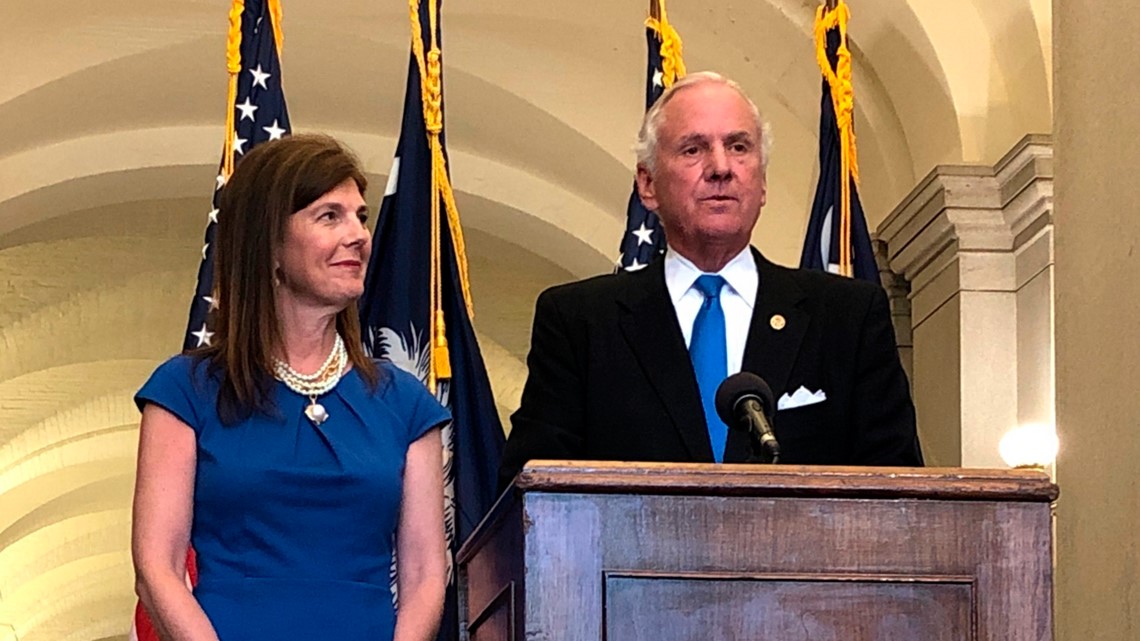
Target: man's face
{"x":709,"y":182}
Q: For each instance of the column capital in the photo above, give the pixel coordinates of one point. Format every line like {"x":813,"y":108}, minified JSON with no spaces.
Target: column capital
{"x":967,"y":208}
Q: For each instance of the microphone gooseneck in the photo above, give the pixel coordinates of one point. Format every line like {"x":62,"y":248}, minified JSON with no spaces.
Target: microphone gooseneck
{"x":745,"y":402}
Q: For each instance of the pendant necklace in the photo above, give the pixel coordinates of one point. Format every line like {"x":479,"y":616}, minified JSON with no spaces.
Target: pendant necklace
{"x":314,"y":385}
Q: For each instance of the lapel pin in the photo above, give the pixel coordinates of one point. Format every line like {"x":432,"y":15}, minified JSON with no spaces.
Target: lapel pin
{"x":777,"y":322}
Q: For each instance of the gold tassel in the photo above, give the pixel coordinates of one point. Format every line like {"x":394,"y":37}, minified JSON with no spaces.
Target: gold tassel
{"x":440,"y":352}
{"x":672,"y":63}
{"x":233,"y":66}
{"x":275,"y":18}
{"x":429,"y":62}
{"x":843,"y":101}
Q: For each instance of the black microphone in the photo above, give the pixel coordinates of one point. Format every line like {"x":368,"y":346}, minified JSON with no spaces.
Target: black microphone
{"x":744,"y":402}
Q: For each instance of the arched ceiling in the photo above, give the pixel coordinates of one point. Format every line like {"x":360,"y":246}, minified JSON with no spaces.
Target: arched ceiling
{"x":110,"y":122}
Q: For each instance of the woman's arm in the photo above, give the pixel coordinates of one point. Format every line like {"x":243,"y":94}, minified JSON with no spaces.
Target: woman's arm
{"x":160,"y":535}
{"x":421,"y":561}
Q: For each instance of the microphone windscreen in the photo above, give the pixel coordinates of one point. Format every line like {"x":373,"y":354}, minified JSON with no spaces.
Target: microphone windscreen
{"x":738,"y":386}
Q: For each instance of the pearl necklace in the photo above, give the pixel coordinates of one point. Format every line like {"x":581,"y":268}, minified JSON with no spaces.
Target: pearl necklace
{"x":320,"y":382}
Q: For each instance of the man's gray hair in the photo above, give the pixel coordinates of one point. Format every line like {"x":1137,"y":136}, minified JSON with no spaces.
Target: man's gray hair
{"x":646,"y":147}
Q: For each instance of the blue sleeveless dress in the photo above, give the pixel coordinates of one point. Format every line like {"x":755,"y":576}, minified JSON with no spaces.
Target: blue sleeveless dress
{"x":294,"y":523}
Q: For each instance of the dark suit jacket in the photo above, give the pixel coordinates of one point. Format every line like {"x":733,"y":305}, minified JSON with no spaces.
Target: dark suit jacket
{"x":610,"y":376}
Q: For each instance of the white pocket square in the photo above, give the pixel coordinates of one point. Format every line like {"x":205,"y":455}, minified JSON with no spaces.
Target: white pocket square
{"x":800,"y":398}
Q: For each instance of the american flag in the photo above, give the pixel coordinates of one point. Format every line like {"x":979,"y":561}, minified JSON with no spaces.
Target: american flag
{"x":259,"y":115}
{"x":644,"y":237}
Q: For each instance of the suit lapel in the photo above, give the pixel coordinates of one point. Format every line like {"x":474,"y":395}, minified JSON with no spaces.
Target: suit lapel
{"x":769,"y":352}
{"x":649,"y":324}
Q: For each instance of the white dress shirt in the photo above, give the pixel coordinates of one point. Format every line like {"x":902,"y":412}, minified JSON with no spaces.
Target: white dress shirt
{"x":737,"y":299}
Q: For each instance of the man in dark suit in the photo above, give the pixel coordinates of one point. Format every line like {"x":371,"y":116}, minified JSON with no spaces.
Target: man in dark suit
{"x":620,"y":366}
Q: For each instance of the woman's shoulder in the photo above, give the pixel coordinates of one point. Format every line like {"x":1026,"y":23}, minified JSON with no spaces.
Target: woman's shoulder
{"x":408,"y":398}
{"x":396,"y":385}
{"x":186,"y":372}
{"x":183,"y":367}
{"x":180,"y":384}
{"x":392,"y":377}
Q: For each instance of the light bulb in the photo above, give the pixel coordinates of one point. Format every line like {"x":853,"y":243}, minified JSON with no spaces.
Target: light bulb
{"x":1032,"y":445}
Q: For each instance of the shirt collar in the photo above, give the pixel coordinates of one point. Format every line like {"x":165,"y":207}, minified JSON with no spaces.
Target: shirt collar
{"x":740,"y":274}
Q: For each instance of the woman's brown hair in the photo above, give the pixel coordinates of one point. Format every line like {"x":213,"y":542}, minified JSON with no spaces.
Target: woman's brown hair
{"x":272,"y":182}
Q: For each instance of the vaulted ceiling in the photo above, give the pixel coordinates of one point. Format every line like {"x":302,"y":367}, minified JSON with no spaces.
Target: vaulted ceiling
{"x":111,"y":119}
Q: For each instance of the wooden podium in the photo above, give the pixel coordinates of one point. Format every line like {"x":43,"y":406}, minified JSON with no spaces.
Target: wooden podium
{"x":583,"y":551}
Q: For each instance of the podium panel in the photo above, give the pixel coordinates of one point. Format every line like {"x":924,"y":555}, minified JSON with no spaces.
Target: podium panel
{"x":626,"y":552}
{"x":649,"y":608}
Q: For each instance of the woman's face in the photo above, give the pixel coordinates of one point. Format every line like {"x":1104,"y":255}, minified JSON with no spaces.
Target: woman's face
{"x":322,"y":259}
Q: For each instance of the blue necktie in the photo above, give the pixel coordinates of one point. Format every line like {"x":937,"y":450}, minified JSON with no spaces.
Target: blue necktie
{"x":709,"y":354}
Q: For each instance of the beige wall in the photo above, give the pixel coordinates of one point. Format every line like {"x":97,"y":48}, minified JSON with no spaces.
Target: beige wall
{"x":1098,"y":319}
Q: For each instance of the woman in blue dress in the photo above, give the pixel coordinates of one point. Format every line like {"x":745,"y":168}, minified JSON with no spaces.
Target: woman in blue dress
{"x":294,"y":464}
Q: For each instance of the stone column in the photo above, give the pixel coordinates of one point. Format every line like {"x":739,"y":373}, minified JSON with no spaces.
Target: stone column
{"x":898,"y":293}
{"x":976,"y":245}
